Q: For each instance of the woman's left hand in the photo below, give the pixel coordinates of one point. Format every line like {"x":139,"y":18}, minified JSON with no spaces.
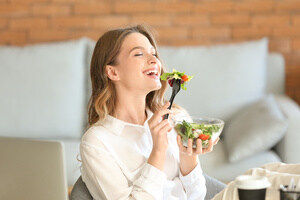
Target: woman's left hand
{"x":195,"y":151}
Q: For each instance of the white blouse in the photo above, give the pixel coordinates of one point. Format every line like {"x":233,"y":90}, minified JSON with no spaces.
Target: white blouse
{"x":114,"y":158}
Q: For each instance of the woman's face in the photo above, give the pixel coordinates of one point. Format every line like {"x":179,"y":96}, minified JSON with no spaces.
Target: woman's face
{"x":138,"y":68}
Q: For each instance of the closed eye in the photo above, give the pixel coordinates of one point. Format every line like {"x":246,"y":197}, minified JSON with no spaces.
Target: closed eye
{"x":139,"y":54}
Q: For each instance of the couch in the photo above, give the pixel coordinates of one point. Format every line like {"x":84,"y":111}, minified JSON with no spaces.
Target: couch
{"x":45,"y":89}
{"x":81,"y":192}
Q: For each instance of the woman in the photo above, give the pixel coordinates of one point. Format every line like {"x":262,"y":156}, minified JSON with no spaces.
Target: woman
{"x":129,"y":151}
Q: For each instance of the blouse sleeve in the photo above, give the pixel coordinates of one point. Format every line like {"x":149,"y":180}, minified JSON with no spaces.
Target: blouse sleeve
{"x":105,"y":179}
{"x":194,"y":184}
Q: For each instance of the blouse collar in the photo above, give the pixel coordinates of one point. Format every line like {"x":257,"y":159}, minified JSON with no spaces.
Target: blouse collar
{"x":117,"y":126}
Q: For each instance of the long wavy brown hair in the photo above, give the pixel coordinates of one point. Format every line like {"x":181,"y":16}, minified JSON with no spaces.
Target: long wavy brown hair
{"x":103,"y":98}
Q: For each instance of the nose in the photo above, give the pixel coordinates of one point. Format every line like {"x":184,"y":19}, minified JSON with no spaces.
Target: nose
{"x":152,"y":59}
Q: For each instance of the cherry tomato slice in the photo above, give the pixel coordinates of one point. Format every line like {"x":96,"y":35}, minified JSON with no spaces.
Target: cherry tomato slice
{"x":185,"y":78}
{"x":203,"y":137}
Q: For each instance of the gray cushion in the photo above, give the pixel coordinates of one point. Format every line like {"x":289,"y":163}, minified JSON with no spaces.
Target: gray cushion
{"x":42,"y":90}
{"x":257,"y":128}
{"x":227,"y":77}
{"x":80,"y":191}
{"x":213,"y":187}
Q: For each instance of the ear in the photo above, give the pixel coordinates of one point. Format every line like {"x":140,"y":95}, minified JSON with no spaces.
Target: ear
{"x":111,"y":73}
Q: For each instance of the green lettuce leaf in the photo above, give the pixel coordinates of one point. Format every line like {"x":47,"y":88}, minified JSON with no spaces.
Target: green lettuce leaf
{"x":175,"y":75}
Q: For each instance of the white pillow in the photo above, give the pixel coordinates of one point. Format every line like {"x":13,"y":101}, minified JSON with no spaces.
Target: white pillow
{"x":43,"y":90}
{"x":256,"y":128}
{"x":227,"y":77}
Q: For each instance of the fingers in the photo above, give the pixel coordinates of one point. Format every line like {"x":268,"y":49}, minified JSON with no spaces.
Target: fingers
{"x":209,"y":148}
{"x":189,"y":149}
{"x":164,"y":130}
{"x":158,"y":115}
{"x":216,"y":141}
{"x":167,"y":104}
{"x":211,"y":145}
{"x":199,"y":150}
{"x":161,"y":124}
{"x":199,"y":146}
{"x":179,"y":142}
{"x":181,"y":147}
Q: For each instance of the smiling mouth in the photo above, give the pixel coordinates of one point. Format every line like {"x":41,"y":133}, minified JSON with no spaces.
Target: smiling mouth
{"x":153,"y":74}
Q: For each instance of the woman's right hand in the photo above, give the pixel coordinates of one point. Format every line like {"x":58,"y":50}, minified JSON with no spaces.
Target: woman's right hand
{"x":159,"y":128}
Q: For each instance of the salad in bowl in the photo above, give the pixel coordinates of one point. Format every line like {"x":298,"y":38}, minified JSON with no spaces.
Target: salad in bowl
{"x":204,"y":128}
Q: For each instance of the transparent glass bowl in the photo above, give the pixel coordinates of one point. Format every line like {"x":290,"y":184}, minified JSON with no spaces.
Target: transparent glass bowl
{"x":193,"y":127}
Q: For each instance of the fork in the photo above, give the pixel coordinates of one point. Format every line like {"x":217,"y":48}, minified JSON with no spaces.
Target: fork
{"x":175,"y":90}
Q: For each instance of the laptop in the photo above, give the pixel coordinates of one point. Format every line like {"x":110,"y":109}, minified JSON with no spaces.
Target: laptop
{"x":32,"y":170}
